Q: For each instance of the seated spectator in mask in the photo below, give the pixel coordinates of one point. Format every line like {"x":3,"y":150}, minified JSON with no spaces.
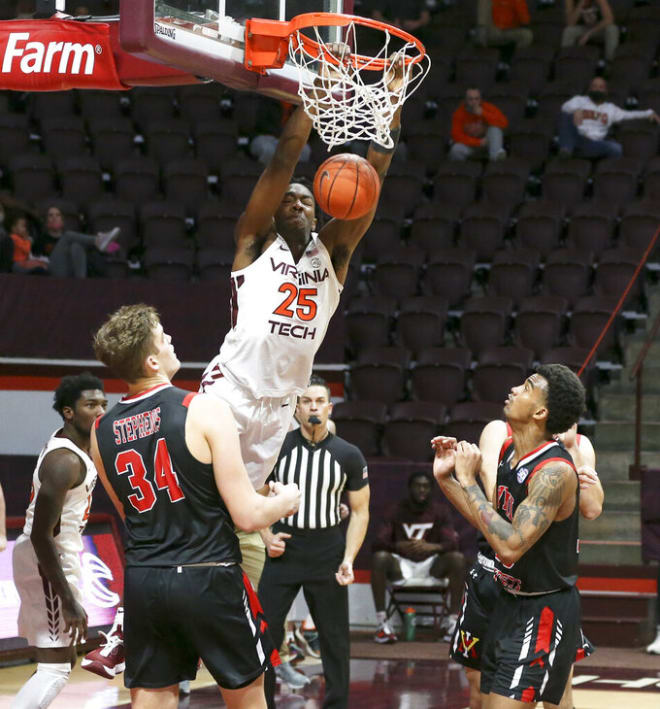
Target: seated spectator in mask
{"x":502,"y":22}
{"x":585,"y":121}
{"x":590,"y":21}
{"x":476,"y":129}
{"x":68,"y":250}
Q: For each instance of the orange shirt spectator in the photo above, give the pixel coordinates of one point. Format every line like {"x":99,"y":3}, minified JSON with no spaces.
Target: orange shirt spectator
{"x":509,"y":14}
{"x":22,"y":247}
{"x":24,"y":261}
{"x":470,"y":128}
{"x":477,"y":129}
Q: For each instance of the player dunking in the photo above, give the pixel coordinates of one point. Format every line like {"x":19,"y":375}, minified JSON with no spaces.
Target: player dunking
{"x":46,"y":561}
{"x":286,"y":283}
{"x":532,"y":526}
{"x":170,"y":462}
{"x":481,"y":590}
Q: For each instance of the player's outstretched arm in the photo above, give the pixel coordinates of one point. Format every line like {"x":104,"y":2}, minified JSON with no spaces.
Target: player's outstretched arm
{"x":212,"y":437}
{"x":256,"y":222}
{"x":341,"y":236}
{"x":549,"y":489}
{"x":61,"y":470}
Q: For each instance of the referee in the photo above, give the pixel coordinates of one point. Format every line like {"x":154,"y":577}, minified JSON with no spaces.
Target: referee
{"x":308,"y":549}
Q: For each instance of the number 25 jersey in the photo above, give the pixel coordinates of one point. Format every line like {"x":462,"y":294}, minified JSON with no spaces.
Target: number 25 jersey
{"x":280,"y":312}
{"x":174,"y":512}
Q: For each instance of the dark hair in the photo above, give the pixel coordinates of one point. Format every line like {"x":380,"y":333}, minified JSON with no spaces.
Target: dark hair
{"x":565,"y":398}
{"x":12,"y":216}
{"x":304,"y":181}
{"x":419,"y":474}
{"x":316,"y":381}
{"x":71,"y":387}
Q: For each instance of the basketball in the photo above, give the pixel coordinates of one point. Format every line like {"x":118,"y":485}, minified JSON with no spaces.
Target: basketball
{"x":346,"y":186}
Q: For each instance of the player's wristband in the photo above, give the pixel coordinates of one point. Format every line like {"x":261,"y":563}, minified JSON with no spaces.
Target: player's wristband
{"x":395,"y":135}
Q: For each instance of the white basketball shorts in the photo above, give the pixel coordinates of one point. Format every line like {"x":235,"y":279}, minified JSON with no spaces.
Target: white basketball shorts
{"x":262,"y":423}
{"x":40,"y":618}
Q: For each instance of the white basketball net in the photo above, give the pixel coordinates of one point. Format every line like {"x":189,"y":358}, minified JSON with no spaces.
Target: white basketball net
{"x":342,"y":105}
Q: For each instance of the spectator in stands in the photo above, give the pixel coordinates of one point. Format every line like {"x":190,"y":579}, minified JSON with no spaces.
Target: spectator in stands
{"x":410,"y":15}
{"x":24,"y":261}
{"x":6,"y":245}
{"x":590,"y":21}
{"x":585,"y":121}
{"x":476,"y":129}
{"x":68,"y":250}
{"x":502,"y":22}
{"x":416,"y":538}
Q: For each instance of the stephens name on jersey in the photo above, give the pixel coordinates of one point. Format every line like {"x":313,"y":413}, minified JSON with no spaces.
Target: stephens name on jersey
{"x":551,"y":563}
{"x":174,"y":512}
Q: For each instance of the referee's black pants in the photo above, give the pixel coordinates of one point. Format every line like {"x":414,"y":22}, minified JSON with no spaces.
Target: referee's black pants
{"x":311,"y":559}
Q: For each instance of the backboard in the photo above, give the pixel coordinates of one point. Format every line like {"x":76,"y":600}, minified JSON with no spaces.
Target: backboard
{"x":206,"y":37}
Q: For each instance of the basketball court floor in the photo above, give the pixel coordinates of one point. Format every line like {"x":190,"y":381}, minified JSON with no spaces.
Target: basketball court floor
{"x":402,"y":676}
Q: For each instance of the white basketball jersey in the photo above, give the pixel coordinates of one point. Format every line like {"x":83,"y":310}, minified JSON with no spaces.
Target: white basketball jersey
{"x":77,"y":501}
{"x":280,"y":314}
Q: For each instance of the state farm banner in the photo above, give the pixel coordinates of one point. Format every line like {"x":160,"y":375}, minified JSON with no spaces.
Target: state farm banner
{"x":54,"y":55}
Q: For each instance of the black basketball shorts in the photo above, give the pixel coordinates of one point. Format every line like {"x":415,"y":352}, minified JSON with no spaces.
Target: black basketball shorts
{"x":175,"y":616}
{"x":531,"y":645}
{"x":479,"y":599}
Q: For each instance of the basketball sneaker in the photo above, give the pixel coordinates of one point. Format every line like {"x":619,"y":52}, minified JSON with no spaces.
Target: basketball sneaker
{"x":104,"y":239}
{"x":108,"y":659}
{"x":385,"y":635}
{"x":295,"y":679}
{"x":308,"y":641}
{"x":654,"y":647}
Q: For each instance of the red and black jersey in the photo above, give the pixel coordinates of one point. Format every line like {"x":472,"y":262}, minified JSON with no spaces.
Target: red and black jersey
{"x":552,"y":562}
{"x":174,"y":512}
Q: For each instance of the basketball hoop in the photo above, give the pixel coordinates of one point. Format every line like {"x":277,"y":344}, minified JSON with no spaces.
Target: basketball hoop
{"x":347,"y":98}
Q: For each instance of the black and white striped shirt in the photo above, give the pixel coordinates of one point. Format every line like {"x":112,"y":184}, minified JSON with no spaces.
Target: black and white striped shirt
{"x":321,"y":471}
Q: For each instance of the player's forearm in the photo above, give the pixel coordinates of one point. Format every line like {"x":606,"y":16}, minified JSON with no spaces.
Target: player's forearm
{"x":261,"y":513}
{"x":381,"y":157}
{"x":454,"y":493}
{"x":48,"y":558}
{"x":355,"y":534}
{"x":503,"y":537}
{"x":591,"y":501}
{"x":293,"y":139}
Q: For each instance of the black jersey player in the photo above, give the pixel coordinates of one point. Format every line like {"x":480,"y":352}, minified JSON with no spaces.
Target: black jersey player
{"x":170,"y":461}
{"x":531,"y":524}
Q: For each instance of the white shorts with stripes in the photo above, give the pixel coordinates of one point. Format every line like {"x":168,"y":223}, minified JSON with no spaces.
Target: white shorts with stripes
{"x":262,"y":423}
{"x":40,"y":618}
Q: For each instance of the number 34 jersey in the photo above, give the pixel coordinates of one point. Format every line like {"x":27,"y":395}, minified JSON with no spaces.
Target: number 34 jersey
{"x":174,"y":512}
{"x":280,"y":312}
